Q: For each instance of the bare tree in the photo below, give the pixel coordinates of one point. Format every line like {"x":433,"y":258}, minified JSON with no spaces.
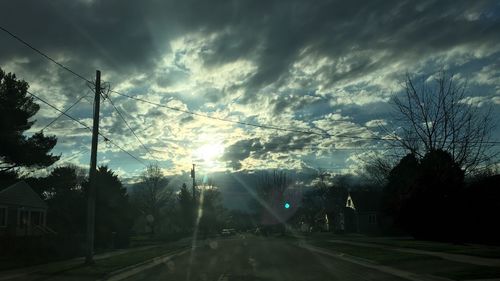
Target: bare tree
{"x":438,"y":117}
{"x":376,"y":170}
{"x":273,"y":185}
{"x":271,"y":188}
{"x":152,"y":195}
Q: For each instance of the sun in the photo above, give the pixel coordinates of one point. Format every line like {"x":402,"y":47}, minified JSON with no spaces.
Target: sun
{"x":209,"y":153}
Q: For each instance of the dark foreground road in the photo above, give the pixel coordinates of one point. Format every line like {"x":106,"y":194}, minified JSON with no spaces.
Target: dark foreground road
{"x":259,"y":259}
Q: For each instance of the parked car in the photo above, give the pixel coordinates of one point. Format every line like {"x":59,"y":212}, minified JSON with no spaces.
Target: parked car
{"x":228,"y":232}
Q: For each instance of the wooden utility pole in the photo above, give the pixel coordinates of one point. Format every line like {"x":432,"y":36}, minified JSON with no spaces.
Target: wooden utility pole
{"x":91,"y":193}
{"x":193,"y":175}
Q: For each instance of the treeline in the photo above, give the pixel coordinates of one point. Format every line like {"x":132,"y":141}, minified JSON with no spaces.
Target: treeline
{"x":152,"y":209}
{"x":65,"y":192}
{"x":430,"y":198}
{"x":165,"y":211}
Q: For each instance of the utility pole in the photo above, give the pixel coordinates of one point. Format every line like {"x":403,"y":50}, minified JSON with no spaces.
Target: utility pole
{"x":91,"y":193}
{"x":193,"y":175}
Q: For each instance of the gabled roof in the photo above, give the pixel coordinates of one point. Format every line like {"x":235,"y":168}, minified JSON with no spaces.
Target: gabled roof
{"x":349,"y":202}
{"x":21,"y":194}
{"x":365,"y":201}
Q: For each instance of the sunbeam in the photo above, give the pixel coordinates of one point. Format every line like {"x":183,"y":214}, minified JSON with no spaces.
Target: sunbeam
{"x":199,"y":214}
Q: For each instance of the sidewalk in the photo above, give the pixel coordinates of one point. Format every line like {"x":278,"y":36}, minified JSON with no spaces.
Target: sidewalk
{"x":136,"y":268}
{"x":451,"y":257}
{"x":366,"y":263}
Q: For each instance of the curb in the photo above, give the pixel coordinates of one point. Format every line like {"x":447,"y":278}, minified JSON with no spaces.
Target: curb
{"x":488,"y":279}
{"x":130,"y":270}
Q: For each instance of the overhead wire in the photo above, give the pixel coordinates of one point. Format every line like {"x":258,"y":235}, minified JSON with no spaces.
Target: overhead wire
{"x":128,"y":126}
{"x":43,"y":54}
{"x":308,"y":132}
{"x":65,"y":111}
{"x":72,"y":72}
{"x":76,"y":154}
{"x":87,"y":127}
{"x":213,"y":117}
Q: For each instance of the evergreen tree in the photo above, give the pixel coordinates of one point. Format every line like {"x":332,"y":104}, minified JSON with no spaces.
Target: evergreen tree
{"x":114,"y":217}
{"x":16,"y":112}
{"x":186,"y":208}
{"x":422,"y":195}
{"x":63,"y":192}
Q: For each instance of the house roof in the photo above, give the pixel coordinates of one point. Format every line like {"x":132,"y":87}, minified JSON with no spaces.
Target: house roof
{"x":21,"y":194}
{"x":365,"y":201}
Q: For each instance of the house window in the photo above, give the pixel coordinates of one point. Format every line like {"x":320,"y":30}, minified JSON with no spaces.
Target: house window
{"x":36,"y":217}
{"x":3,"y":216}
{"x":23,"y":218}
{"x":372,"y":219}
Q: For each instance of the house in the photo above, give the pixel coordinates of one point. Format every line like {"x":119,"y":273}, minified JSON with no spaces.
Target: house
{"x":321,"y":221}
{"x":22,"y":211}
{"x":362,"y":212}
{"x":328,"y":220}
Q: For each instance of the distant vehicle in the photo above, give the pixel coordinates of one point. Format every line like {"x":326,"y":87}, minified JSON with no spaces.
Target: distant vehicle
{"x":228,"y":232}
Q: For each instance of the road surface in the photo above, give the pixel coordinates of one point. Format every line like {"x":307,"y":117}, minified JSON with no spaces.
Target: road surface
{"x":259,"y":259}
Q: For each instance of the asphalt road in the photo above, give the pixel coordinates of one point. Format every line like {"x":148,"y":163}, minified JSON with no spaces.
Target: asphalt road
{"x":260,"y":259}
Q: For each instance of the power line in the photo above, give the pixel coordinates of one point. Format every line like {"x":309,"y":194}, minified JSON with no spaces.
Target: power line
{"x":243,"y":123}
{"x":272,"y":147}
{"x":187,"y":111}
{"x":64,"y":160}
{"x":76,"y":154}
{"x":169,"y":107}
{"x":309,"y":132}
{"x":214,"y":117}
{"x":130,"y":128}
{"x":87,"y":127}
{"x":60,"y":111}
{"x":72,"y":72}
{"x":43,"y":54}
{"x":65,"y":111}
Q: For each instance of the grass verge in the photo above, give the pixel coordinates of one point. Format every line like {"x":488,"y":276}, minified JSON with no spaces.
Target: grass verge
{"x":417,"y":263}
{"x":107,"y":265}
{"x":467,"y":249}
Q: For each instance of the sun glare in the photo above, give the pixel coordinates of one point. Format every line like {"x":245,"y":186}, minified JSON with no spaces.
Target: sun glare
{"x":209,"y":153}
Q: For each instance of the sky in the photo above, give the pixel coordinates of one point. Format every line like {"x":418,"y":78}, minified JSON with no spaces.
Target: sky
{"x":322,"y":66}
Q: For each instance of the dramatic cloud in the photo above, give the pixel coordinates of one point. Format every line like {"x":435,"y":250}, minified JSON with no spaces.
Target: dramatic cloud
{"x":328,"y":67}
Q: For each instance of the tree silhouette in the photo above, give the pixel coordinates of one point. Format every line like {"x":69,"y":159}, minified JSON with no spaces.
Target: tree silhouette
{"x":114,"y":217}
{"x":16,"y":112}
{"x":401,"y":181}
{"x":186,"y":208}
{"x":211,"y":211}
{"x":438,"y":118}
{"x":152,"y":195}
{"x":421,"y":195}
{"x":270,"y":189}
{"x":376,"y":170}
{"x":64,"y":193}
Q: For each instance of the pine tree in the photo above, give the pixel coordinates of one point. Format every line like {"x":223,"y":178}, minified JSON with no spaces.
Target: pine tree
{"x":186,"y":205}
{"x":16,"y":111}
